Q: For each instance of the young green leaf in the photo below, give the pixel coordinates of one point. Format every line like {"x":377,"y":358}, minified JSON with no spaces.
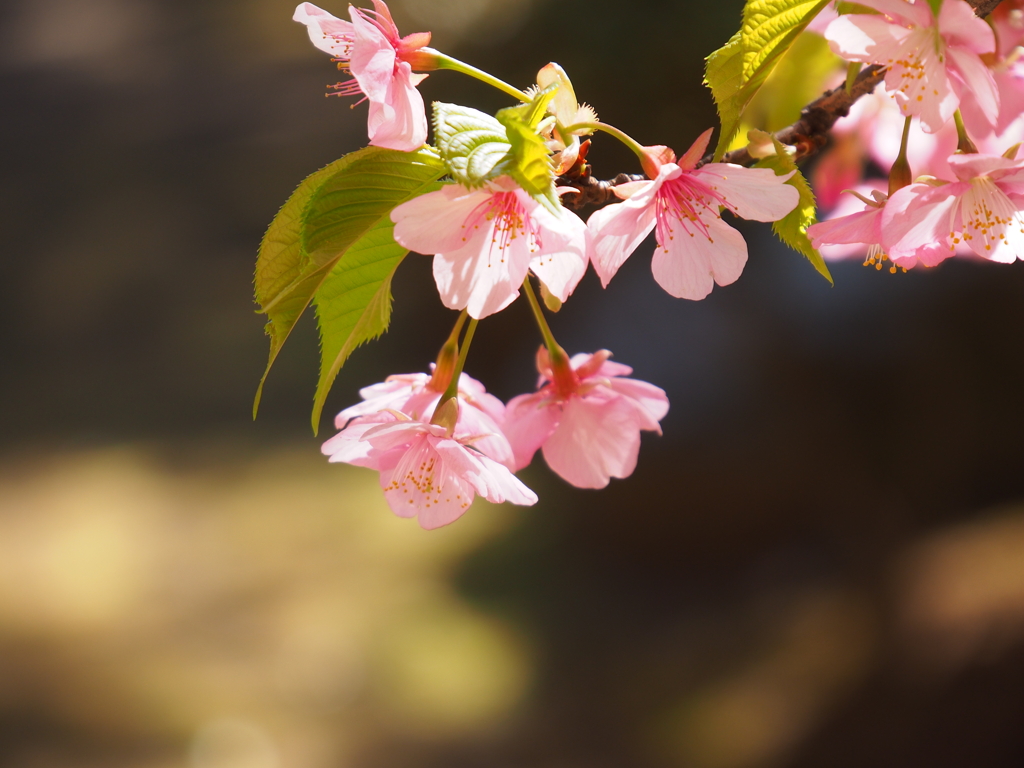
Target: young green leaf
{"x":278,"y":266}
{"x":529,"y":160}
{"x":724,"y":76}
{"x":471,"y":143}
{"x":768,"y":30}
{"x":792,"y":229}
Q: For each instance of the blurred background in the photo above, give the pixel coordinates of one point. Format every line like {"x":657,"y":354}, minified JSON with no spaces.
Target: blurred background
{"x":821,"y":562}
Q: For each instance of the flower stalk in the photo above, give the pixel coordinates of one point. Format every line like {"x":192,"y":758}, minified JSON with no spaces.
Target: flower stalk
{"x":444,"y":61}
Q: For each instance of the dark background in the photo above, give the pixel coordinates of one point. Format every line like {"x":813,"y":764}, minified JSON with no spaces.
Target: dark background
{"x":821,"y":562}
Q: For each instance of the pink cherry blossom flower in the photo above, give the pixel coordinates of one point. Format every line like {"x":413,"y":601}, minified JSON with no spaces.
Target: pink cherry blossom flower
{"x":983,"y":210}
{"x":425,"y":469}
{"x":867,"y":229}
{"x":696,"y":249}
{"x":485,"y":241}
{"x":932,"y":63}
{"x":381,"y":65}
{"x":847,"y":204}
{"x":416,"y":395}
{"x":587,"y":418}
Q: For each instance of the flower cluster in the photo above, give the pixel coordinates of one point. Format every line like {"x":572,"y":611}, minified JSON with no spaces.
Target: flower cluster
{"x":962,"y":80}
{"x":435,"y":458}
{"x":492,"y":220}
{"x":438,"y":444}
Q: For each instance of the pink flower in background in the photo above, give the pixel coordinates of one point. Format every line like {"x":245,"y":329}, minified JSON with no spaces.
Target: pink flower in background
{"x":486,"y":240}
{"x":696,"y":249}
{"x":425,"y":470}
{"x":932,"y":63}
{"x":982,"y":210}
{"x":587,"y":419}
{"x":381,"y":66}
{"x":867,"y":229}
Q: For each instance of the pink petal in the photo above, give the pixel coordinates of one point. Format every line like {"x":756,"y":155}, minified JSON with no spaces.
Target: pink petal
{"x":437,"y":221}
{"x":917,"y":14}
{"x":918,"y":216}
{"x":324,"y":30}
{"x":651,"y":401}
{"x":479,"y":430}
{"x":607,"y":368}
{"x":350,"y":447}
{"x":689,"y":266}
{"x":918,"y":80}
{"x":562,"y":260}
{"x":617,"y":230}
{"x":481,"y":276}
{"x":993,"y":226}
{"x":423,"y":484}
{"x":596,"y":439}
{"x":961,"y":27}
{"x":489,"y":478}
{"x":862,"y":227}
{"x":473,"y":392}
{"x":400,"y":121}
{"x":529,"y":421}
{"x":971,"y":166}
{"x":373,"y":57}
{"x":977,"y":78}
{"x":751,"y":193}
{"x":860,"y":37}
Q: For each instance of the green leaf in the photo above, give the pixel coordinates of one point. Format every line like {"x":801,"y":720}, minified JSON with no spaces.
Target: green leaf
{"x":724,"y":76}
{"x":799,"y":78}
{"x":529,"y":160}
{"x":349,"y":216}
{"x":471,"y":143}
{"x":354,"y":304}
{"x":736,"y":71}
{"x":936,"y":6}
{"x":792,"y":229}
{"x":345,"y":202}
{"x":278,"y":266}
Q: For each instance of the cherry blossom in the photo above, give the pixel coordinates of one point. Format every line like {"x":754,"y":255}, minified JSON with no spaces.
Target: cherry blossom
{"x":882,"y":228}
{"x":696,"y":249}
{"x":982,"y":210}
{"x":416,"y":395}
{"x":587,"y":418}
{"x":426,"y":470}
{"x":485,"y":241}
{"x":932,"y":63}
{"x":381,"y":65}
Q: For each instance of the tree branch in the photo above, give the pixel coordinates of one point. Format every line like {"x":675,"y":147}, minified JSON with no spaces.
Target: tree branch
{"x":808,"y":134}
